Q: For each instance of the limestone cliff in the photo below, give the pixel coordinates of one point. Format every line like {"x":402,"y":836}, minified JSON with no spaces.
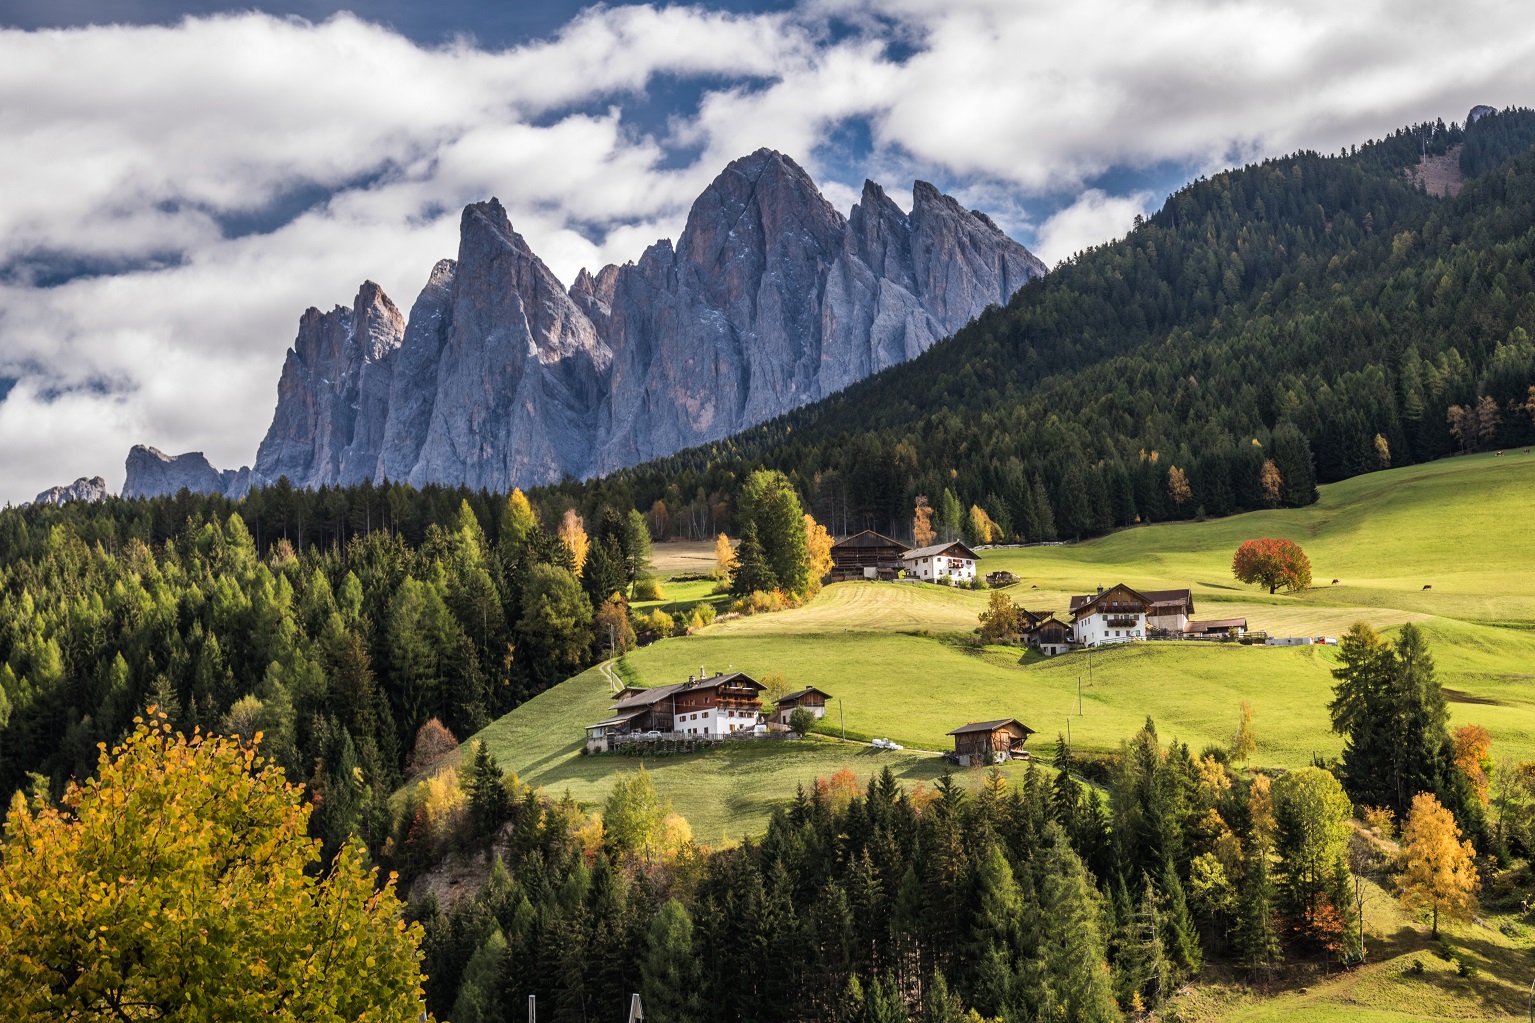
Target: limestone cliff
{"x":500,"y":377}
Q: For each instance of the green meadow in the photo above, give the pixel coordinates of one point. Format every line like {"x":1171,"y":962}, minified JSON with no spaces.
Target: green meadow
{"x":900,"y":661}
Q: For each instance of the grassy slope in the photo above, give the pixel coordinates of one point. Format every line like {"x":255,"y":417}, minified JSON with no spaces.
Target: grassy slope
{"x":881,"y":648}
{"x":888,"y":652}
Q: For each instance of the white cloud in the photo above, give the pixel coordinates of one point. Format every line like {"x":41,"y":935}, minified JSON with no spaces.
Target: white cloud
{"x":1094,"y":218}
{"x":133,"y":147}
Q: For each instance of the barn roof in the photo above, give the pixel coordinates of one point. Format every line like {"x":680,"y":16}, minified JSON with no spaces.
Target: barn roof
{"x":990,"y":726}
{"x":868,"y":538}
{"x":804,"y":692}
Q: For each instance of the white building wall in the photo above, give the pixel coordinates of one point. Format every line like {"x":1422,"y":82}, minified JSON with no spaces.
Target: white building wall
{"x":1094,"y":630}
{"x":929,"y":569}
{"x":715,"y":721}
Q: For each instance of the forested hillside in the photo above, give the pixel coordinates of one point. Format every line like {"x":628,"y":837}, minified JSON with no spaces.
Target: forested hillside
{"x":1313,"y":311}
{"x":339,"y":650}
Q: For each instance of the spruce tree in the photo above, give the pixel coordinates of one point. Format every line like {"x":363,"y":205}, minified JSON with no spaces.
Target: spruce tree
{"x":751,"y":572}
{"x":477,"y":1000}
{"x":1257,"y":938}
{"x":489,"y":805}
{"x":1076,"y":982}
{"x":1181,"y":934}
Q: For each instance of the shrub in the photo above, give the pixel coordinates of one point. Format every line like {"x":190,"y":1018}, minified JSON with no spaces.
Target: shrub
{"x":648,"y":588}
{"x":802,"y":720}
{"x":704,"y":613}
{"x":945,"y":580}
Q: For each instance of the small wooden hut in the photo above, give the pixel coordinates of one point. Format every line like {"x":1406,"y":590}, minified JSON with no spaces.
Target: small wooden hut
{"x":990,"y":742}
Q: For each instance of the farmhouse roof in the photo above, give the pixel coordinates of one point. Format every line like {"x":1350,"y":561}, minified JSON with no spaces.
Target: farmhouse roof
{"x":1081,"y":605}
{"x":868,"y":538}
{"x":1170,"y":598}
{"x":651,"y":697}
{"x":990,"y":726}
{"x":804,"y":692}
{"x":939,"y":548}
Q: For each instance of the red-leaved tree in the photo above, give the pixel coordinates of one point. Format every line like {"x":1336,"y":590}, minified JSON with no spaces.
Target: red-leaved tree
{"x":1274,"y":563}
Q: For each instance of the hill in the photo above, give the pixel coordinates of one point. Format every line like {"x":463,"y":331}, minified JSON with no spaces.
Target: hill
{"x":896,"y":658}
{"x":1319,"y":312}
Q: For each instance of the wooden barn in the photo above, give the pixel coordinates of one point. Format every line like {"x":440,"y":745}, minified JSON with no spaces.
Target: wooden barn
{"x":990,"y":742}
{"x":866,"y":555}
{"x":811,"y":698}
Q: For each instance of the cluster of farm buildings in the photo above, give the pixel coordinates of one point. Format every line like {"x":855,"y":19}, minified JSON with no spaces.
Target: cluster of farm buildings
{"x":1118,"y":614}
{"x":707,"y":709}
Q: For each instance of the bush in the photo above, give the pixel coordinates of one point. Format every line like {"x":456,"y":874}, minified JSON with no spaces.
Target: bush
{"x":704,"y":613}
{"x":657,"y":621}
{"x":1415,"y":968}
{"x":802,"y":720}
{"x":945,"y":580}
{"x":648,"y":588}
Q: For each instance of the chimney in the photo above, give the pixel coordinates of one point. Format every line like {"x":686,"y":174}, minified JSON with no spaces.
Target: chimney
{"x":1100,"y":589}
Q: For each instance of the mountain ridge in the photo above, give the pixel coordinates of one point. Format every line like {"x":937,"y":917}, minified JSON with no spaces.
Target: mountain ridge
{"x":501,"y":376}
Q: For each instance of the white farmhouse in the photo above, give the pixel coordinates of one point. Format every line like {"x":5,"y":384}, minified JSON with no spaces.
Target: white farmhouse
{"x":952,"y":559}
{"x":1115,"y":615}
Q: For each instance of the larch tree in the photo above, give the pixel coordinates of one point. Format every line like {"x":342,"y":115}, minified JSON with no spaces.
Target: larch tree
{"x":818,"y":550}
{"x":922,"y":523}
{"x":573,"y":536}
{"x":1272,"y":563}
{"x":180,"y":885}
{"x":1271,"y":483}
{"x":1178,"y":487}
{"x":1438,"y":869}
{"x":1244,"y":741}
{"x":669,"y":971}
{"x":724,"y":556}
{"x":1473,"y":757}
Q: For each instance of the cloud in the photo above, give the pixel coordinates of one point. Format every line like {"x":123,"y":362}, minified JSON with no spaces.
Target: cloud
{"x":1095,"y":217}
{"x":206,"y":181}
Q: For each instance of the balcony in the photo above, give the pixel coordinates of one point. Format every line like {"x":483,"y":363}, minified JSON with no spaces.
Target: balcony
{"x":1122,"y":621}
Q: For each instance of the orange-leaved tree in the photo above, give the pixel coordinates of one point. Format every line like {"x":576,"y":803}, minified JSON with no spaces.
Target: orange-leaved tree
{"x":1438,"y":869}
{"x":178,"y":885}
{"x":1273,"y":563}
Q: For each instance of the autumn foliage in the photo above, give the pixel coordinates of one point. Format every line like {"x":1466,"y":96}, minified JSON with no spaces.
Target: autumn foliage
{"x":1273,"y":563}
{"x":181,"y":885}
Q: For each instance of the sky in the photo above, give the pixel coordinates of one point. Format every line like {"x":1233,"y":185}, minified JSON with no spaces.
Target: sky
{"x":180,"y":180}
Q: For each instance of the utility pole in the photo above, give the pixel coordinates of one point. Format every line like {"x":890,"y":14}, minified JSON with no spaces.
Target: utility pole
{"x":1068,"y":733}
{"x":532,"y":1009}
{"x":1079,"y":694}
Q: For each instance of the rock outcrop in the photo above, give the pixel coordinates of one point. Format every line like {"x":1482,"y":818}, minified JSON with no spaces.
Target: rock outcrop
{"x":82,"y":489}
{"x":501,"y":377}
{"x":152,"y":472}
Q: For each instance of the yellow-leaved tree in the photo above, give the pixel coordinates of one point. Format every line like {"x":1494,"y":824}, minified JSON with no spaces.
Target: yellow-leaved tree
{"x":177,"y":885}
{"x":573,"y":536}
{"x":724,"y":557}
{"x":818,"y":547}
{"x":1438,"y":869}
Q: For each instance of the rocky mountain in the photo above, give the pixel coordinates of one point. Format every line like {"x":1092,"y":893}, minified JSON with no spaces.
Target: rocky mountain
{"x":502,"y":377}
{"x":82,"y":489}
{"x":152,"y":472}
